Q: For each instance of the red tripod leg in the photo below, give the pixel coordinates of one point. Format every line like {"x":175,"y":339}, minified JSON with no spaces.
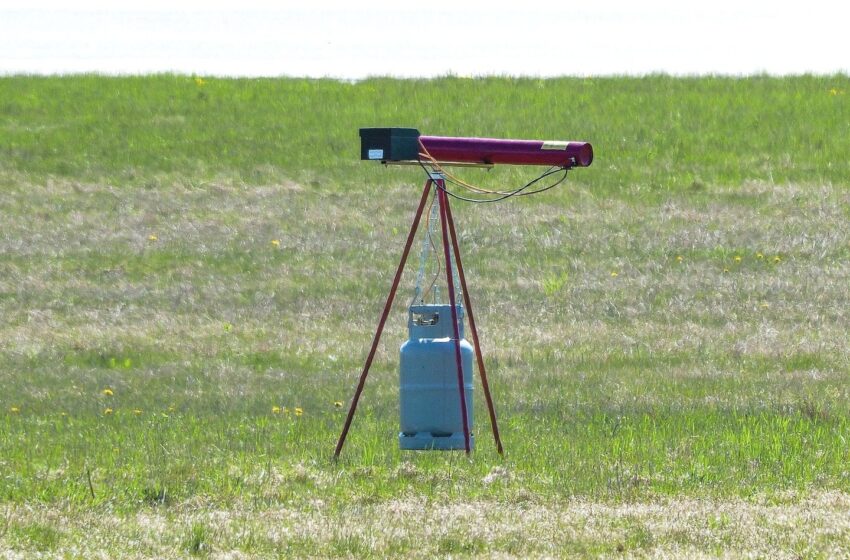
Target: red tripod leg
{"x":380,"y":329}
{"x":478,"y":356}
{"x":450,"y":281}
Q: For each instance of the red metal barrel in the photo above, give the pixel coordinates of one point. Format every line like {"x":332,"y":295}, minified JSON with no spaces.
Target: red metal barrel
{"x":516,"y":152}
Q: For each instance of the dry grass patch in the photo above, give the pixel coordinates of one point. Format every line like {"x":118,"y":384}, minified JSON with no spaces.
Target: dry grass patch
{"x":815,"y":525}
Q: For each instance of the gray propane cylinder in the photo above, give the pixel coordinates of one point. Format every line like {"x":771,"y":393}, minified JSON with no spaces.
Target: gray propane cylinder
{"x":429,"y":397}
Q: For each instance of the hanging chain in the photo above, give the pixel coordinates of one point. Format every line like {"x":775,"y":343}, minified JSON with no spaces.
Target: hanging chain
{"x":426,"y":250}
{"x":425,"y":253}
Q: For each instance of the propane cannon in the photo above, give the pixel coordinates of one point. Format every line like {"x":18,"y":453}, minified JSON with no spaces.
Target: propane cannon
{"x":406,"y":144}
{"x":436,"y":362}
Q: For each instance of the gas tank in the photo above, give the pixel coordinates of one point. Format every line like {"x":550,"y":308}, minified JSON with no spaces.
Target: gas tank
{"x":429,"y":398}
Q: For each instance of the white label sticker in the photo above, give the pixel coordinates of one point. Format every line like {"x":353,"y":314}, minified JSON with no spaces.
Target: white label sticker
{"x":554,"y":145}
{"x":376,"y":154}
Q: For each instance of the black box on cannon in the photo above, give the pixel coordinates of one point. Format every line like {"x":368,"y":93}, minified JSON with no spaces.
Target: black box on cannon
{"x":389,"y":144}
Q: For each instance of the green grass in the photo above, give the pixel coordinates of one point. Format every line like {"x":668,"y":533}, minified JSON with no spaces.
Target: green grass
{"x":653,"y":133}
{"x":665,"y":334}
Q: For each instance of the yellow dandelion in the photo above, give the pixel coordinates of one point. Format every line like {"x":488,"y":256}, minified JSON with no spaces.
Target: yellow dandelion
{"x":107,"y":411}
{"x":137,"y":411}
{"x":737,"y":258}
{"x":765,"y":305}
{"x":679,"y":258}
{"x":200,"y":82}
{"x":614,"y":274}
{"x":299,"y":411}
{"x":15,"y":410}
{"x":107,"y":392}
{"x":275,"y":410}
{"x":759,"y":256}
{"x":338,"y":404}
{"x":276,"y":242}
{"x":777,"y":259}
{"x":63,"y":414}
{"x":152,"y":237}
{"x":725,"y":269}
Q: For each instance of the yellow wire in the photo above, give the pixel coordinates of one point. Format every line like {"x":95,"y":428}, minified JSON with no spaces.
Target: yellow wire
{"x":434,"y":163}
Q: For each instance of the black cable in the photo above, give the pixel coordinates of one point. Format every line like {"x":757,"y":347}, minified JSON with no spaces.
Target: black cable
{"x":516,"y":192}
{"x":553,"y":185}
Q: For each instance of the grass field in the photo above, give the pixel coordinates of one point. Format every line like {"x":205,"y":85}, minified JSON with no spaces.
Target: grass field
{"x":191,"y":270}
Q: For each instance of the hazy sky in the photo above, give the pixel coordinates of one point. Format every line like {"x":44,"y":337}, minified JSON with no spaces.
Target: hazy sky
{"x":381,"y":37}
